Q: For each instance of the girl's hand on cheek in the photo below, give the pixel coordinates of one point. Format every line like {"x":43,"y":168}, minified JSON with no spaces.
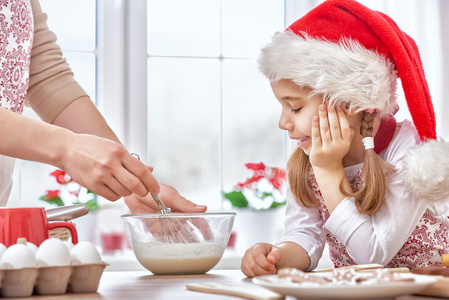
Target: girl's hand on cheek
{"x":331,"y":138}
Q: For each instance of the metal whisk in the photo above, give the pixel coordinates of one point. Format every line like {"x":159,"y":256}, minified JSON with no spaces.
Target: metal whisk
{"x":173,"y":231}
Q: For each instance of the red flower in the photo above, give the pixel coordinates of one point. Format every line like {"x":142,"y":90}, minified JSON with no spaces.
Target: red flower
{"x":256,"y":167}
{"x":52,"y":197}
{"x":61,"y":176}
{"x":249,"y":181}
{"x":277,"y":177}
{"x":51,"y":194}
{"x":75,"y":193}
{"x":258,"y":174}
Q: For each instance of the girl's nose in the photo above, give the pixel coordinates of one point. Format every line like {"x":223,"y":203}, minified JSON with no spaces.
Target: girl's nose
{"x":284,"y":122}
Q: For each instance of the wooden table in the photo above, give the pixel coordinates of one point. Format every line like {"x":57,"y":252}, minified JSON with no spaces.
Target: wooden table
{"x":143,"y":285}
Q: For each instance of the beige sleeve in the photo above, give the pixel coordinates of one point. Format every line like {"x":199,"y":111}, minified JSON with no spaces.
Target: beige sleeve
{"x":52,"y":86}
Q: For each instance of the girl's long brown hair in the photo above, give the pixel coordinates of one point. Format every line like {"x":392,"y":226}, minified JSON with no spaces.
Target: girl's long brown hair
{"x":368,"y":199}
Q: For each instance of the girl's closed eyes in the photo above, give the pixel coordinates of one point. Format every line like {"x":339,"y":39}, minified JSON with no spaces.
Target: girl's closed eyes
{"x":296,"y":110}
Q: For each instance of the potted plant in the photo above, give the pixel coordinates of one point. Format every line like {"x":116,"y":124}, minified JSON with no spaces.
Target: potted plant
{"x":257,"y":201}
{"x":263,"y":190}
{"x":70,"y":192}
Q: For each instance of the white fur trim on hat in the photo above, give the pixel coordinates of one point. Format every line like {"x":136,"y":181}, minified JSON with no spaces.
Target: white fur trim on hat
{"x":344,"y":72}
{"x":426,"y":170}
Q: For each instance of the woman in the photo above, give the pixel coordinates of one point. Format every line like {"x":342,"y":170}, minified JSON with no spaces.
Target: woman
{"x":76,"y":138}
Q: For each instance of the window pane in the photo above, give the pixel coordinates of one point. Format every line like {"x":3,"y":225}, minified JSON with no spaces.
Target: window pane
{"x":184,"y":28}
{"x":248,"y":25}
{"x":250,"y":121}
{"x":184,"y":125}
{"x":83,"y":66}
{"x":73,"y":22}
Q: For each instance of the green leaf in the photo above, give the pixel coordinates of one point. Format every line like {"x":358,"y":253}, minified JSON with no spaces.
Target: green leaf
{"x":265,"y":195}
{"x":56,"y":200}
{"x":92,"y":205}
{"x":277,"y":204}
{"x":237,"y":199}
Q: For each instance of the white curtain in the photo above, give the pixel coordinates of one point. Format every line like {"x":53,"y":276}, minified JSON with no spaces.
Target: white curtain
{"x":427,"y":23}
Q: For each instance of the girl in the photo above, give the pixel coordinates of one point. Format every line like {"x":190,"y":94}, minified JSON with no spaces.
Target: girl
{"x":369,"y":187}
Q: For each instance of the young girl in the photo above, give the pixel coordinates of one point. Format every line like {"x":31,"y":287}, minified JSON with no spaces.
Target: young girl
{"x":374,"y":190}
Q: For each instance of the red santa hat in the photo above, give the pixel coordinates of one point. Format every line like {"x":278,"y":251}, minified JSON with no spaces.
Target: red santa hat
{"x":352,"y":54}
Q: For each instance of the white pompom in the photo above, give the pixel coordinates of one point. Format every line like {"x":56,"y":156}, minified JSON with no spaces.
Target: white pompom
{"x":426,"y":170}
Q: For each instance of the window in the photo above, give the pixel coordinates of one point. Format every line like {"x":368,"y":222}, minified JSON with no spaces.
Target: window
{"x":209,"y":110}
{"x":178,"y":83}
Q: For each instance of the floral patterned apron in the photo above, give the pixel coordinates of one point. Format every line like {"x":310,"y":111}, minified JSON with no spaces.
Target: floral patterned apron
{"x":16,"y":40}
{"x":424,"y":246}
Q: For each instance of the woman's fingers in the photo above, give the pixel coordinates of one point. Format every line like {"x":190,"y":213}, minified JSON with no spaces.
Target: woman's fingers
{"x":129,"y":177}
{"x":170,"y":196}
{"x":140,"y":205}
{"x":117,"y":188}
{"x":137,"y":178}
{"x":106,"y":168}
{"x":105,"y":192}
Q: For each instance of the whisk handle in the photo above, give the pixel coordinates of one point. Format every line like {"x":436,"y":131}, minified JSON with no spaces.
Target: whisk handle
{"x":156,"y":198}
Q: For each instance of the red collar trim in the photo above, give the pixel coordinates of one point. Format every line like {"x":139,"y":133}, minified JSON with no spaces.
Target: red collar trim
{"x":385,"y":134}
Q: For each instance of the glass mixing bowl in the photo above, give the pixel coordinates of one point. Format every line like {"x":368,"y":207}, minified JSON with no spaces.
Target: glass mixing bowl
{"x":178,"y":243}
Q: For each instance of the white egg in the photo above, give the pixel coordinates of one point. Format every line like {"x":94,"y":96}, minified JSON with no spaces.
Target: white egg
{"x":85,"y":253}
{"x":53,"y":252}
{"x":69,"y":245}
{"x":32,"y":246}
{"x":2,"y":249}
{"x":18,"y":256}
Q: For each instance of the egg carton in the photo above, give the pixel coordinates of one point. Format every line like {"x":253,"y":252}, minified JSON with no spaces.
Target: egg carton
{"x":50,"y":280}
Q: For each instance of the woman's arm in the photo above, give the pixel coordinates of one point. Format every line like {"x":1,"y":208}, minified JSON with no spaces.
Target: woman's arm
{"x":57,"y":98}
{"x":52,"y":85}
{"x":98,"y":164}
{"x":82,"y":116}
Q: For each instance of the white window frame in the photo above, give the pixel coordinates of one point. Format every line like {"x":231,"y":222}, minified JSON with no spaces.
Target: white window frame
{"x":122,"y":85}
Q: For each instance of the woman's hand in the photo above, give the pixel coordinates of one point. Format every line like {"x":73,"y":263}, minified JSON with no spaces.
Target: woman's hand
{"x":169,"y":195}
{"x":106,"y":168}
{"x":261,"y":259}
{"x":331,"y":138}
